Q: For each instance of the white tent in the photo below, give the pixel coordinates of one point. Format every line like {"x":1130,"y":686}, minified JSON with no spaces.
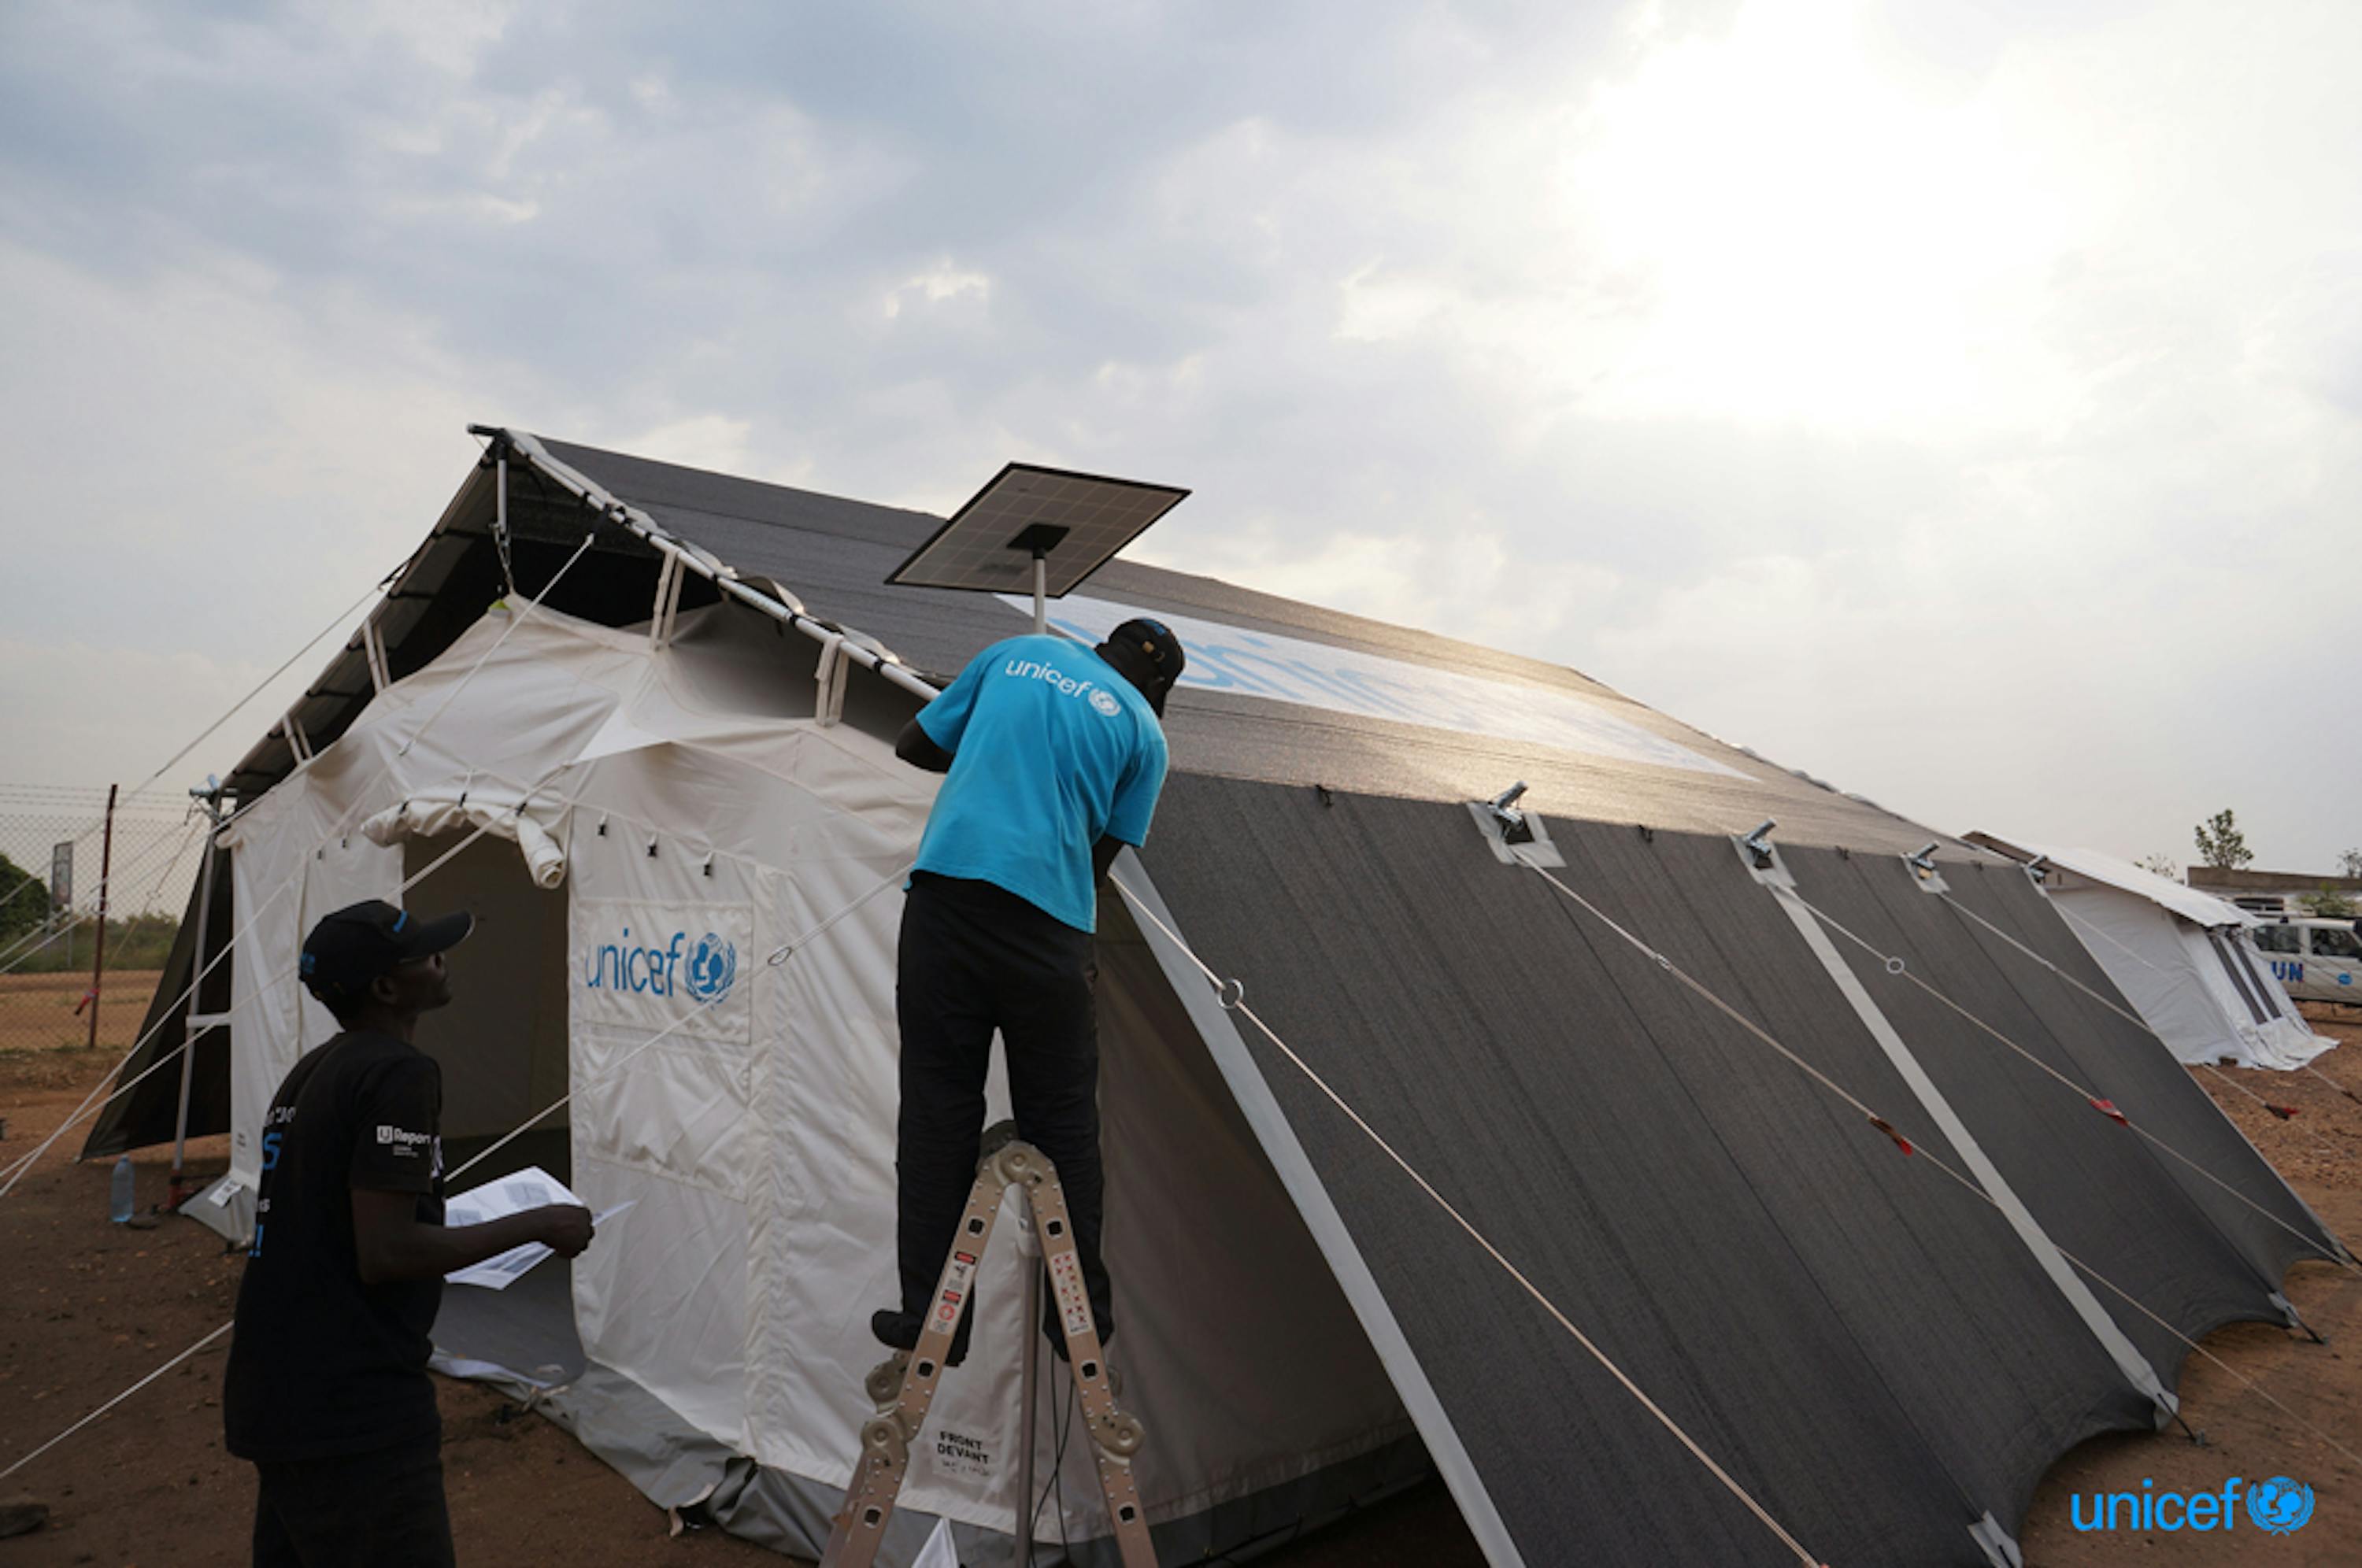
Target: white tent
{"x":680,"y":842}
{"x":2183,"y":958}
{"x":690,"y":829}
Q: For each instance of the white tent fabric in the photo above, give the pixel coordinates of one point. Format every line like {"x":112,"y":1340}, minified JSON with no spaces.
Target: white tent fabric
{"x":2184,"y":959}
{"x":700,"y":825}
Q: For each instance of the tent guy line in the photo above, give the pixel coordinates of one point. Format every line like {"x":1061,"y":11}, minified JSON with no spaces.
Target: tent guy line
{"x":1232,"y":995}
{"x":775,"y":959}
{"x":340,"y":829}
{"x":35,"y":941}
{"x":18,"y":1171}
{"x":336,"y":830}
{"x":1908,"y":1148}
{"x":2091,"y":932}
{"x":1895,"y":967}
{"x":25,"y":1163}
{"x":231,"y":712}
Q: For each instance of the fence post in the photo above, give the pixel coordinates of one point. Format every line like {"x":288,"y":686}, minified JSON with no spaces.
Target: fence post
{"x":105,"y":870}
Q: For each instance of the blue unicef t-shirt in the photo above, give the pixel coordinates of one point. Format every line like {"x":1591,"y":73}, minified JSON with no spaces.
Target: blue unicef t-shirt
{"x":1052,"y":749}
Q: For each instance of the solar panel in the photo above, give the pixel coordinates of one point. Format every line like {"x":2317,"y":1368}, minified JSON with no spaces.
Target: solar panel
{"x":1076,"y":522}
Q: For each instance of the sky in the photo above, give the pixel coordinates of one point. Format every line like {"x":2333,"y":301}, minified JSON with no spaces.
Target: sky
{"x":1958,"y":399}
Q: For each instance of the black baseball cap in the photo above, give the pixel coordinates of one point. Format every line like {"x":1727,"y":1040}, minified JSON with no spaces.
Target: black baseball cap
{"x":1155,"y":641}
{"x":357,"y":943}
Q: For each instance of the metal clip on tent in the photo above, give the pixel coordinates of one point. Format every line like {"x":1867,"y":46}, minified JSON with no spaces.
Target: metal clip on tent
{"x":903,"y":1385}
{"x":1758,"y":844}
{"x":1515,"y":829}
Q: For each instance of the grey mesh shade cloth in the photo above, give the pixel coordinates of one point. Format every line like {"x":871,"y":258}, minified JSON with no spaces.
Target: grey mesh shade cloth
{"x":1864,"y":1343}
{"x":1085,"y":519}
{"x":1866,"y":1346}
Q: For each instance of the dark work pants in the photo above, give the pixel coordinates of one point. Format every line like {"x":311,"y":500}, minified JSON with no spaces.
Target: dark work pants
{"x":382,"y":1509}
{"x":975,"y":958}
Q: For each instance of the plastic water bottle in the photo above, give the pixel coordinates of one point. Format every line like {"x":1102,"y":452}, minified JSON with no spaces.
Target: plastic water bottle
{"x":119,"y":1190}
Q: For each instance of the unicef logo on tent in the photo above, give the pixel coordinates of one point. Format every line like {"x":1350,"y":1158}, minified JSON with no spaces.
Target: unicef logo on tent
{"x":2280,"y":1506}
{"x":1106,"y":702}
{"x":712,"y":967}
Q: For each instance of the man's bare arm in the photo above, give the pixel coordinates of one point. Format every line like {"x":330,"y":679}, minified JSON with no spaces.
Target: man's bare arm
{"x":915,"y":746}
{"x":390,"y":1243}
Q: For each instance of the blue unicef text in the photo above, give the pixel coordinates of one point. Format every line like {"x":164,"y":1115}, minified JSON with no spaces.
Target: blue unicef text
{"x":705,"y":968}
{"x":2277,"y":1507}
{"x":621,"y":967}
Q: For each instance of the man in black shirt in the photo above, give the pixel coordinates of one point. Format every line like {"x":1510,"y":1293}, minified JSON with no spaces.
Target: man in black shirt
{"x":326,"y":1390}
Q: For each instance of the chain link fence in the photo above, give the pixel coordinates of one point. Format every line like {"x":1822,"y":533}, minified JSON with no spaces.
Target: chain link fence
{"x":52,"y":844}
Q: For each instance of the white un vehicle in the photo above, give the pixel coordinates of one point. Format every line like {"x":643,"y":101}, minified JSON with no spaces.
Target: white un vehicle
{"x":2317,"y":960}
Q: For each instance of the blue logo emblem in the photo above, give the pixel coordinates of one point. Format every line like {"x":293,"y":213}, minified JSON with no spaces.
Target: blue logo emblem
{"x":2280,"y":1506}
{"x":712,"y":967}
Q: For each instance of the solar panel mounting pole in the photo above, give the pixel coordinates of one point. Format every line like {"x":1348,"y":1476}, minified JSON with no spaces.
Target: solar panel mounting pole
{"x":1039,"y":539}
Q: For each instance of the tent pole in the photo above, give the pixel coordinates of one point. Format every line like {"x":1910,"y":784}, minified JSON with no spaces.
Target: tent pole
{"x":189,"y":1022}
{"x":1041,"y":593}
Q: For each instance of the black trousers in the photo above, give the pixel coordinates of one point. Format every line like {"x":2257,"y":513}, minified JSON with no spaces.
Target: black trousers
{"x":975,"y":958}
{"x":382,"y":1509}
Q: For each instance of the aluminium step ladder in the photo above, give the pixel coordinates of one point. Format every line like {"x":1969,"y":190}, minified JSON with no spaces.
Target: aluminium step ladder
{"x":903,"y":1385}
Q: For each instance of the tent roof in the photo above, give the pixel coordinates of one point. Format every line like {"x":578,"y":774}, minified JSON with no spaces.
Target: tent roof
{"x":1603,"y":757}
{"x":2197,"y":907}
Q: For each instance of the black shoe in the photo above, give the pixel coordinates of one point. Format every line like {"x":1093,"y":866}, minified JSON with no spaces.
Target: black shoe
{"x":899,"y":1331}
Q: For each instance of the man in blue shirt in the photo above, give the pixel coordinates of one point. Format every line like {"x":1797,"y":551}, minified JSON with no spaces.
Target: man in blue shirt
{"x":1054,"y":755}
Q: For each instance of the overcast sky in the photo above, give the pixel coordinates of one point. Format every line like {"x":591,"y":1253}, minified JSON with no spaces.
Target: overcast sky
{"x":1955,"y":399}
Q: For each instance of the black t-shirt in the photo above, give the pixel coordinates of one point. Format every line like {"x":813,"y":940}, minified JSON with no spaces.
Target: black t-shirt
{"x":319,"y":1363}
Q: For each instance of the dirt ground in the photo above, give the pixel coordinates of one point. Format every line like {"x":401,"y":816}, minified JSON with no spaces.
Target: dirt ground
{"x":93,"y":1307}
{"x":37,"y":1011}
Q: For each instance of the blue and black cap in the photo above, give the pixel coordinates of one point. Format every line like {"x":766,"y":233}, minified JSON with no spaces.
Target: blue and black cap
{"x":1153,"y":641}
{"x":357,"y":943}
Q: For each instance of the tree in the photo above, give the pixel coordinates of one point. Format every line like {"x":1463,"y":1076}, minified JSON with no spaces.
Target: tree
{"x":2328,"y":903}
{"x":23,"y":900}
{"x":2221,"y":844}
{"x":2349,"y":862}
{"x":2160,"y":866}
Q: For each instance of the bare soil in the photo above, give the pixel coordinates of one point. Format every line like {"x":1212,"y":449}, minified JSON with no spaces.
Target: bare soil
{"x":90,"y":1307}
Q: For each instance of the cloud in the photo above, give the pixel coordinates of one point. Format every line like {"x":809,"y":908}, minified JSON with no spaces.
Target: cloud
{"x":1958,"y":401}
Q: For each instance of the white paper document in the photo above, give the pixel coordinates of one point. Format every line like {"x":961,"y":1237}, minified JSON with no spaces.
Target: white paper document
{"x":531,"y":1187}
